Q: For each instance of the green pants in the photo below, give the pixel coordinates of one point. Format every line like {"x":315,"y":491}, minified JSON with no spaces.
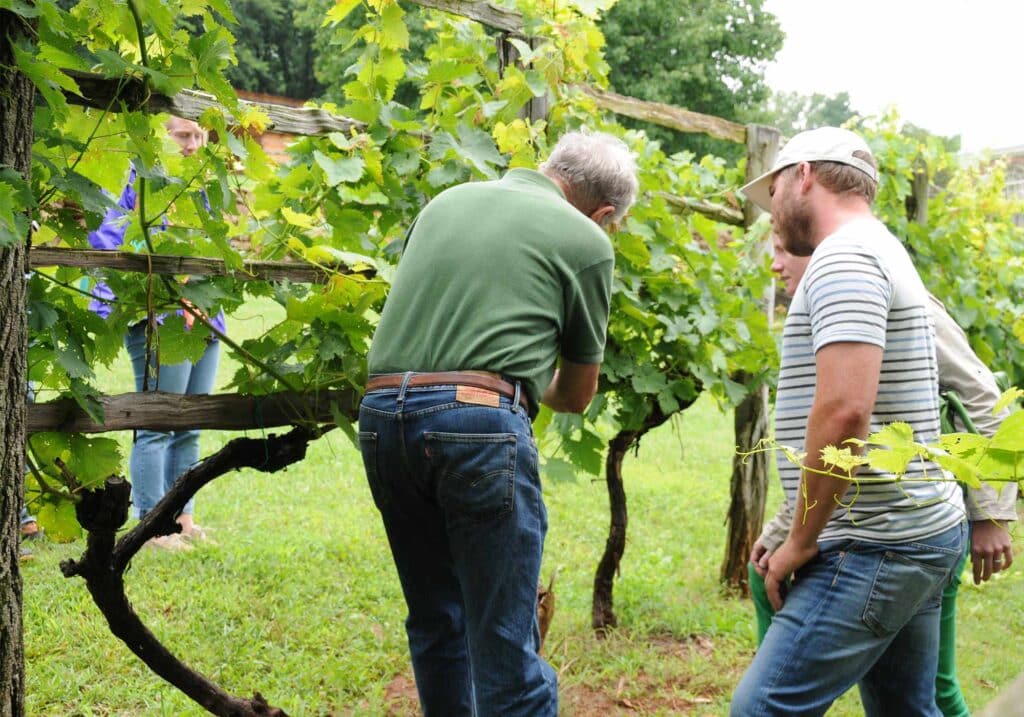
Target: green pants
{"x":948,"y":696}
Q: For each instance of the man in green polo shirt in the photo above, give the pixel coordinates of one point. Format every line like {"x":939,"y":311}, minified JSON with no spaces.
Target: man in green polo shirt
{"x":500,"y":281}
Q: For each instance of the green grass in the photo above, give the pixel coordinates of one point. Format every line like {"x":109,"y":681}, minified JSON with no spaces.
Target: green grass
{"x":298,"y":598}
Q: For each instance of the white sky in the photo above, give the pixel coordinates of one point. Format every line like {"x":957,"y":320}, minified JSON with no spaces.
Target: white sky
{"x":950,"y":66}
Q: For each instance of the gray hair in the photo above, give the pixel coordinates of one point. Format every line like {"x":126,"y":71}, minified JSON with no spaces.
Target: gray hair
{"x":596,"y":169}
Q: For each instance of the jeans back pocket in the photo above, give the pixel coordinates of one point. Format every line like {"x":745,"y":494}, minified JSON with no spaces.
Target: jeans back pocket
{"x":474,"y":473}
{"x":901,"y":588}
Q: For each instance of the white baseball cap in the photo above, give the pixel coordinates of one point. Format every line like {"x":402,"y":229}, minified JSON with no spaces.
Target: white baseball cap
{"x":825,"y":144}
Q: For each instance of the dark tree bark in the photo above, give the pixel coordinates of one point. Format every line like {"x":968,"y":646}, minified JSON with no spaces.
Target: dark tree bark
{"x":602,"y":615}
{"x":17,"y":99}
{"x":749,"y":489}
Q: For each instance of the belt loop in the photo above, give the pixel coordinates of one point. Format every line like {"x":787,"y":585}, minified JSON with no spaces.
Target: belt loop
{"x":402,"y":389}
{"x":515,"y":399}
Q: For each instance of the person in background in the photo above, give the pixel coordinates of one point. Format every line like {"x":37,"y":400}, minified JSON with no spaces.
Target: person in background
{"x":30,"y":530}
{"x":989,"y":511}
{"x":500,"y":281}
{"x":159,"y":457}
{"x":858,"y":581}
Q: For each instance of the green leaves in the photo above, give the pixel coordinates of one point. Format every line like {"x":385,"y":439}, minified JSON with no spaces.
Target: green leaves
{"x":1009,"y":396}
{"x":340,"y":11}
{"x":15,"y":203}
{"x":843,"y":459}
{"x":68,"y":464}
{"x":345,"y":169}
{"x":47,"y":77}
{"x":1010,"y":435}
{"x":973,"y":459}
{"x":472,"y":146}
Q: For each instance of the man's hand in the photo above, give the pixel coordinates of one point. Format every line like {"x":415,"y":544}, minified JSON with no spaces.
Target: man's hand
{"x":785,"y":561}
{"x":759,"y":558}
{"x":991,"y":548}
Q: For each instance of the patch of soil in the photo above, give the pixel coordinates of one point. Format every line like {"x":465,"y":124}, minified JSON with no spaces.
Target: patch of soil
{"x":401,"y":696}
{"x":644,"y":695}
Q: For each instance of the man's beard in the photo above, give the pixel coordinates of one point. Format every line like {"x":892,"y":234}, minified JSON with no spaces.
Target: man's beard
{"x":795,"y":227}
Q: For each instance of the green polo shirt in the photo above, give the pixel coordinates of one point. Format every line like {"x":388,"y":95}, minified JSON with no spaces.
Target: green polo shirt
{"x":502,"y":276}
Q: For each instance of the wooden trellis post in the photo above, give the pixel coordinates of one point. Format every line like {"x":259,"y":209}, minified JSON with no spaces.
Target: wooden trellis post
{"x":537,"y":108}
{"x":749,"y":486}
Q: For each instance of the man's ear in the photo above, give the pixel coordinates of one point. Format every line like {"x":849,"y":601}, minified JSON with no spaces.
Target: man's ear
{"x":602,"y":215}
{"x":805,"y":177}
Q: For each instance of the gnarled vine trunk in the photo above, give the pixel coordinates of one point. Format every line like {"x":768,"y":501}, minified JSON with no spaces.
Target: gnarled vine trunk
{"x":602,"y":608}
{"x":17,"y":98}
{"x":104,"y":511}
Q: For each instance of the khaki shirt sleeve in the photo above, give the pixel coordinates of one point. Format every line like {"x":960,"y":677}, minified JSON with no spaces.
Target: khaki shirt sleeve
{"x":775,"y":530}
{"x":962,"y":371}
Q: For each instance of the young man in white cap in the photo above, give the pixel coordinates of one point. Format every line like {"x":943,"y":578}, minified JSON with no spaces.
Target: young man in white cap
{"x":858,"y":582}
{"x":989,"y":510}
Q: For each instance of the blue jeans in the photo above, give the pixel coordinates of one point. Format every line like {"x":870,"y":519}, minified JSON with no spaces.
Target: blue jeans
{"x":858,"y":613}
{"x":458,"y":488}
{"x":159,"y":457}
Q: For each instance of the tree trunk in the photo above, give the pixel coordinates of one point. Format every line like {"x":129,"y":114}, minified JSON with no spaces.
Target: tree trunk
{"x":602,"y":612}
{"x":750,"y":422}
{"x":17,"y":98}
{"x":749,"y":488}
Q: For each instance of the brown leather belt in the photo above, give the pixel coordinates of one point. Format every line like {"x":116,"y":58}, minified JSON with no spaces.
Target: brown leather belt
{"x":476,"y":379}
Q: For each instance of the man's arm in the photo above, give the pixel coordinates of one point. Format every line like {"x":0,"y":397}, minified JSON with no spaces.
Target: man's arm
{"x":572,"y":388}
{"x":847,"y":386}
{"x":961,"y":370}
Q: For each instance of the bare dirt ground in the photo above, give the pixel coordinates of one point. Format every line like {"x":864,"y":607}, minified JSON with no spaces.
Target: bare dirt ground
{"x":640,"y":695}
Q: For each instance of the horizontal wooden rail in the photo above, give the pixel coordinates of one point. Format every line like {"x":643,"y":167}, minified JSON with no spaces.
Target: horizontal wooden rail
{"x":667,"y":115}
{"x":486,"y":13}
{"x":300,"y":272}
{"x":718,"y":212}
{"x":160,"y":411}
{"x":102,"y":92}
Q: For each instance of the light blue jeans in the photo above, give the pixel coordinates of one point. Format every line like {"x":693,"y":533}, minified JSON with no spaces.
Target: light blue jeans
{"x":159,"y":457}
{"x":458,"y":488}
{"x":858,"y":613}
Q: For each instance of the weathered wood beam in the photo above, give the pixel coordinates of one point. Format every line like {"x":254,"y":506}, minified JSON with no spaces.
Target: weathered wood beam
{"x":667,"y":115}
{"x":296,"y":271}
{"x":718,"y":212}
{"x":160,"y":411}
{"x":102,"y":92}
{"x":486,"y":13}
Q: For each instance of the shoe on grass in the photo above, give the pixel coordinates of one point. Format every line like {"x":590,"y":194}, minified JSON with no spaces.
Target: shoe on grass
{"x":174,"y":541}
{"x":197,"y":534}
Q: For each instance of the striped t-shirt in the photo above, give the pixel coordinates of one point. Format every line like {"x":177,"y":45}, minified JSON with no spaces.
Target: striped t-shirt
{"x":860,"y":286}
